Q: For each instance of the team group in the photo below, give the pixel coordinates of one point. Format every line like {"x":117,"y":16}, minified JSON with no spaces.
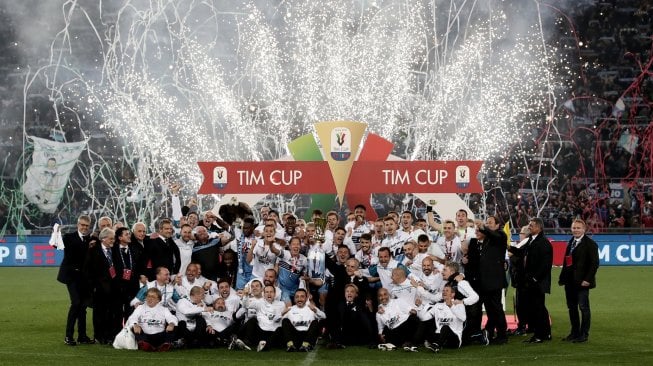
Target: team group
{"x":391,"y":283}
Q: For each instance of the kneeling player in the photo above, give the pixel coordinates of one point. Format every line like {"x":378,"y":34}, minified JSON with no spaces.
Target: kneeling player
{"x":450,"y":319}
{"x":220,"y":323}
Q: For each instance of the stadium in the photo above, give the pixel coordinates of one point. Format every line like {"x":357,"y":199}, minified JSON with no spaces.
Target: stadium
{"x":115,"y":108}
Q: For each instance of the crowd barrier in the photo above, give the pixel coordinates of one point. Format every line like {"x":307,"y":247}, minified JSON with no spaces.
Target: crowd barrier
{"x":614,"y":250}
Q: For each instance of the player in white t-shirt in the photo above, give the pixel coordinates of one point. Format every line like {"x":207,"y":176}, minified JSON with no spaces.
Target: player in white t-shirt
{"x":378,"y":233}
{"x":153,"y":324}
{"x":401,"y":288}
{"x":265,"y":252}
{"x":395,"y":322}
{"x":449,"y":322}
{"x":450,"y":243}
{"x":356,"y":227}
{"x":300,"y":323}
{"x":367,"y":256}
{"x":394,"y":239}
{"x":191,"y":326}
{"x":267,"y":325}
{"x":220,"y":323}
{"x":406,"y":222}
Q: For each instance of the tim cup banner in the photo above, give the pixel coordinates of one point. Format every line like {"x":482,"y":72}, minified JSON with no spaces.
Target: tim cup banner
{"x":343,"y":166}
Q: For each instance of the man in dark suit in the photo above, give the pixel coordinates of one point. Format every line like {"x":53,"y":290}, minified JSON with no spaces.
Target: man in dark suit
{"x":161,"y":251}
{"x":345,"y":270}
{"x":578,"y":275}
{"x":492,"y":279}
{"x":70,"y":273}
{"x":139,"y":234}
{"x":127,"y":260}
{"x":538,"y":260}
{"x":471,"y":262}
{"x":355,"y":324}
{"x":100,"y":272}
{"x":518,"y":280}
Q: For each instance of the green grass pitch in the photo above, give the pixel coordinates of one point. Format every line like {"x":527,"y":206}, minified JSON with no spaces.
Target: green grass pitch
{"x":33,"y":308}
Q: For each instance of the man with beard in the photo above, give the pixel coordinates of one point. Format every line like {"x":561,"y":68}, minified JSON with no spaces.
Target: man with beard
{"x":300,"y":323}
{"x":185,"y":243}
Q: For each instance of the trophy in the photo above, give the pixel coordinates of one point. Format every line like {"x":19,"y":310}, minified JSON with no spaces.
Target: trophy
{"x":320,"y":229}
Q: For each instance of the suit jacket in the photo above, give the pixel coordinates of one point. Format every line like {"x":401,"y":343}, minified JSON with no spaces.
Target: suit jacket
{"x":584,"y":263}
{"x":472,"y":270}
{"x":537,"y":263}
{"x":208,"y":256}
{"x":355,"y":323}
{"x":96,"y":270}
{"x":135,"y":256}
{"x":492,"y":259}
{"x":162,"y":253}
{"x":74,"y":254}
{"x":336,"y":293}
{"x":517,"y":275}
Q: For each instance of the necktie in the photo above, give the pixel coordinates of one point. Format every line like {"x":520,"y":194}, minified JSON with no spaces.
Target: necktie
{"x":574,"y":244}
{"x":107,"y":254}
{"x":126,"y":258}
{"x":527,"y":248}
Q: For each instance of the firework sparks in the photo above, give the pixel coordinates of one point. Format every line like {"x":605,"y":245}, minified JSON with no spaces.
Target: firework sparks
{"x":185,"y":81}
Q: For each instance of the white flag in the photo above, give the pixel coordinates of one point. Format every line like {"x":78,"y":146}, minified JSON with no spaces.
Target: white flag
{"x":56,"y":240}
{"x":628,"y":141}
{"x":47,"y":177}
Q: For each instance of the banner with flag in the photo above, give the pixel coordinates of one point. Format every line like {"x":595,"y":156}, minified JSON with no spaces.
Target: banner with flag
{"x":48,"y":175}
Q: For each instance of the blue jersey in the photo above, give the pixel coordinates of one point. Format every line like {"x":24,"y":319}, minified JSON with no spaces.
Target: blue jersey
{"x":244,"y":245}
{"x":291,"y":270}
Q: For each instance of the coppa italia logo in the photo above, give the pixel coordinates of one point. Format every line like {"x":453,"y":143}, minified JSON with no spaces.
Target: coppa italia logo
{"x":340,"y":143}
{"x":345,"y":166}
{"x":219,"y":177}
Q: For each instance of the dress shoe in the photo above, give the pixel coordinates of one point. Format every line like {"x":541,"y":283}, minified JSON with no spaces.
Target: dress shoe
{"x":534,"y":339}
{"x":69,"y":341}
{"x":581,"y":339}
{"x":499,"y":340}
{"x":85,"y":340}
{"x":518,"y":332}
{"x":570,"y":338}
